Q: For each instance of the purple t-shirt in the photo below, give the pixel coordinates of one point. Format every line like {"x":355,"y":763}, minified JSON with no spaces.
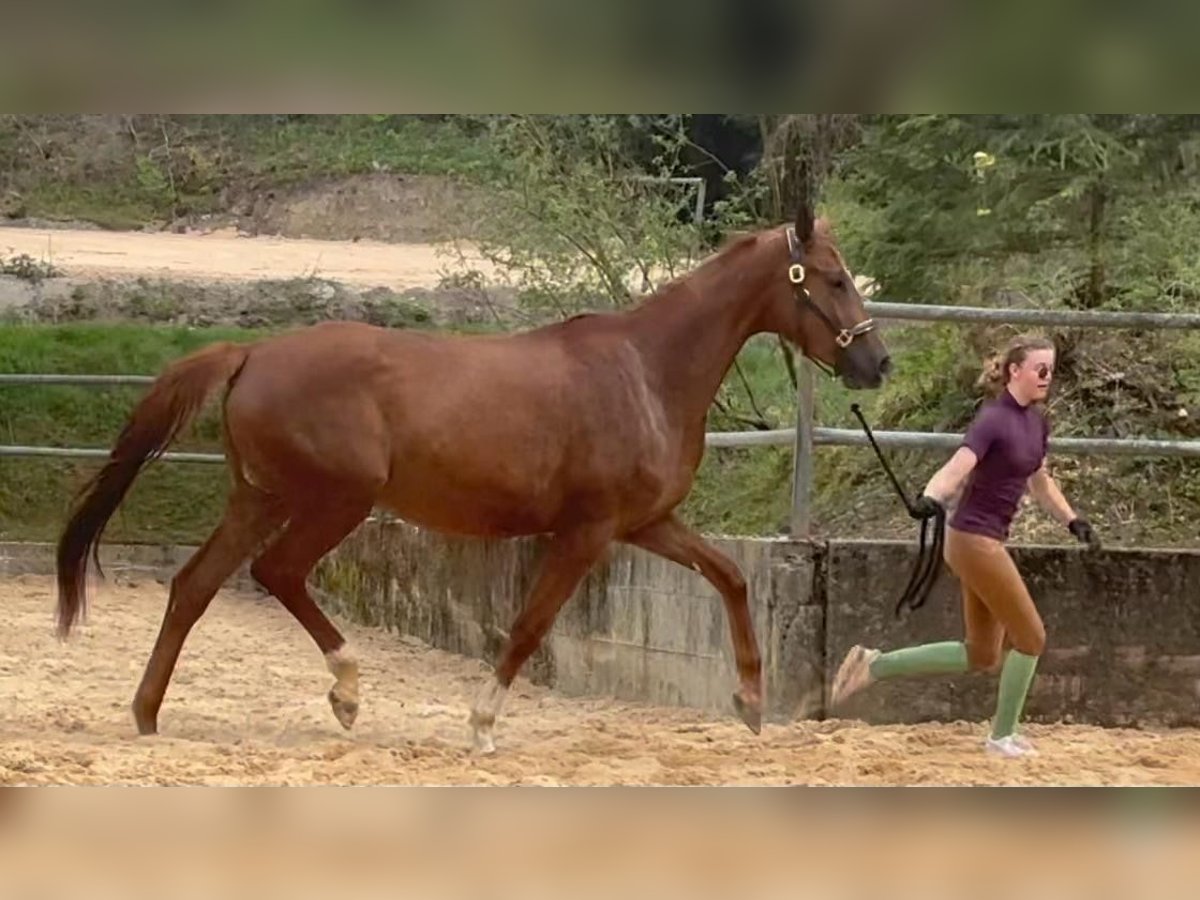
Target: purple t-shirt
{"x":1010,"y":441}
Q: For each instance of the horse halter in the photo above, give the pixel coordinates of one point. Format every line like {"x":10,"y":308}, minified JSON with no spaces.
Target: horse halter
{"x":843,"y":337}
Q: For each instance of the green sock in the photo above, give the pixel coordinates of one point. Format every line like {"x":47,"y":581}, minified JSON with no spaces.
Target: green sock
{"x":1015,"y":678}
{"x":944,"y":658}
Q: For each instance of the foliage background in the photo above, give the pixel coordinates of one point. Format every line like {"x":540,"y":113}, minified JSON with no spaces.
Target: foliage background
{"x":1051,"y":211}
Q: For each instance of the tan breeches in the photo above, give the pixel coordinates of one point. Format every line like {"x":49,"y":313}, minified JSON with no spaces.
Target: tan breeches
{"x":996,"y":602}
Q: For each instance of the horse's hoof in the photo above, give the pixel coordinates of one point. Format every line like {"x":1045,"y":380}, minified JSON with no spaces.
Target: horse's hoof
{"x":750,"y":713}
{"x":147,"y":723}
{"x":345,"y":711}
{"x":481,"y":729}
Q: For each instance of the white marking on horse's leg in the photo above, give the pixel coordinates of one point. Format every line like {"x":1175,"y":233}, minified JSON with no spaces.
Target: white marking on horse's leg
{"x":344,"y":665}
{"x":343,"y":696}
{"x":483,"y":715}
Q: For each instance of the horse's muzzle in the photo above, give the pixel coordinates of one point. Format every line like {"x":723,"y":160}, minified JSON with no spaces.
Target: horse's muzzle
{"x":857,"y":376}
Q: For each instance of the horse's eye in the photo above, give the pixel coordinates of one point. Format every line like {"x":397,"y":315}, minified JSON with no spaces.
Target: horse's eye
{"x":839,"y":284}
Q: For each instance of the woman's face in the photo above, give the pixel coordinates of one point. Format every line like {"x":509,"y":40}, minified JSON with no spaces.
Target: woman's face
{"x":1031,"y":378}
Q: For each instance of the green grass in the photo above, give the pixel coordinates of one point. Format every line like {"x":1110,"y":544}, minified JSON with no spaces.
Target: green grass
{"x":1132,"y":501}
{"x":171,"y":501}
{"x":113,"y":202}
{"x":747,"y":491}
{"x":743,"y":491}
{"x":736,"y":491}
{"x":340,"y":145}
{"x":213,"y":153}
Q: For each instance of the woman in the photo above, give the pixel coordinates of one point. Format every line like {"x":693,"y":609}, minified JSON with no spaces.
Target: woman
{"x":1002,"y":454}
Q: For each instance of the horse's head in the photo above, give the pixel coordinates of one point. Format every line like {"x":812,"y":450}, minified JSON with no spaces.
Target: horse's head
{"x":816,"y":305}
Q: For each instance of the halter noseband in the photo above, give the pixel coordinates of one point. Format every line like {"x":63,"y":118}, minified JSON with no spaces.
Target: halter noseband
{"x":843,"y":337}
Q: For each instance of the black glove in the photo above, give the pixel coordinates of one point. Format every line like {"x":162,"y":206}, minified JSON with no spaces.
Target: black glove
{"x":926,"y":508}
{"x":1082,"y":529}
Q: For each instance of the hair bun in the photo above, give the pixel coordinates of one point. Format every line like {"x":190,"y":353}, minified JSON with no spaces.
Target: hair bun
{"x":991,"y":378}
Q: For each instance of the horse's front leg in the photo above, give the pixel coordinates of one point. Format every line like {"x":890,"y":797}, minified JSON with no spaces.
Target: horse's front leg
{"x":569,"y":556}
{"x":671,"y":539}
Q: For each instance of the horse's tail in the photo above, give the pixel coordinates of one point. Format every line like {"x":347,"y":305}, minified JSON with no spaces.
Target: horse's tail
{"x":172,"y":402}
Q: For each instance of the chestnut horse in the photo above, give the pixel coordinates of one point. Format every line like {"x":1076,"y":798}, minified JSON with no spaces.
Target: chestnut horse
{"x":587,"y":431}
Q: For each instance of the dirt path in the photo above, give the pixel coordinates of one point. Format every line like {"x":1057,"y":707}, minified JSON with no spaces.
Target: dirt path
{"x":247,"y":706}
{"x":223,"y":255}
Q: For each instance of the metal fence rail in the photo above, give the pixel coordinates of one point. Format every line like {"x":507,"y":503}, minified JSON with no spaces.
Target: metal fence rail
{"x":38,"y":379}
{"x":806,"y":435}
{"x":821,"y":437}
{"x":99,"y":453}
{"x":925,"y":440}
{"x":921,"y":312}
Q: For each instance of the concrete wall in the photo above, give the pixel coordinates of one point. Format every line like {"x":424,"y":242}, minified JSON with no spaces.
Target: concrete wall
{"x":120,"y":561}
{"x":640,"y":627}
{"x":1123,"y":626}
{"x":130,"y":560}
{"x":1123,"y":634}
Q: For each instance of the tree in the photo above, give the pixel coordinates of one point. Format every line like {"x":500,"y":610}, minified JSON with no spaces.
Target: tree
{"x":1037,"y":204}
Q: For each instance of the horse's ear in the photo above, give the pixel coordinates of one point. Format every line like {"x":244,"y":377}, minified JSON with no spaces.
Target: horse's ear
{"x":804,"y":221}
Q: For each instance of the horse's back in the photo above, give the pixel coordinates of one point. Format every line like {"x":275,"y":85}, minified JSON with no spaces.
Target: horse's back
{"x":497,"y":430}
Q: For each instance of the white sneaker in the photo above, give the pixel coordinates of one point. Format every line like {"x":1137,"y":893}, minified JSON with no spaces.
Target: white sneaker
{"x":853,"y":674}
{"x":1010,"y":746}
{"x":1023,"y":743}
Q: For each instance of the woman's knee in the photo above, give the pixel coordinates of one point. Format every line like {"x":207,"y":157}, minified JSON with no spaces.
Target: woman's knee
{"x":1032,"y":639}
{"x":983,"y":657}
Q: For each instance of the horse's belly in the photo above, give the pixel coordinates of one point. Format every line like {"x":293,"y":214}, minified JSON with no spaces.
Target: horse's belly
{"x":457,"y":508}
{"x":498,"y":488}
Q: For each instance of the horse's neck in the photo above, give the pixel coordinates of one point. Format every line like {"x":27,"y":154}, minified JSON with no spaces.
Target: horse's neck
{"x":691,"y":335}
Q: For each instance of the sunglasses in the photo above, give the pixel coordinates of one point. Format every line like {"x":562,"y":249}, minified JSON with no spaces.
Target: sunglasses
{"x":1043,"y":370}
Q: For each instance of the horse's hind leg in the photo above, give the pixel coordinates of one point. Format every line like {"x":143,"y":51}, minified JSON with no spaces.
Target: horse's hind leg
{"x":283,"y":570}
{"x":567,"y":560}
{"x":249,"y":518}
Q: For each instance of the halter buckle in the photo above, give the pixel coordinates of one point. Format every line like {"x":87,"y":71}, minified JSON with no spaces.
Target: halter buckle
{"x":795,"y":273}
{"x":844,"y":338}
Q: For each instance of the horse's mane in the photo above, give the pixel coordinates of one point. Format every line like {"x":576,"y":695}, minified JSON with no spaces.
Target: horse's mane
{"x":731,"y":247}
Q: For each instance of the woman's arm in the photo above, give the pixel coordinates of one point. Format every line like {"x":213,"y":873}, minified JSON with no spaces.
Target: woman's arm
{"x":1045,"y":490}
{"x":1049,"y":496}
{"x":948,"y":480}
{"x":985,"y":429}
